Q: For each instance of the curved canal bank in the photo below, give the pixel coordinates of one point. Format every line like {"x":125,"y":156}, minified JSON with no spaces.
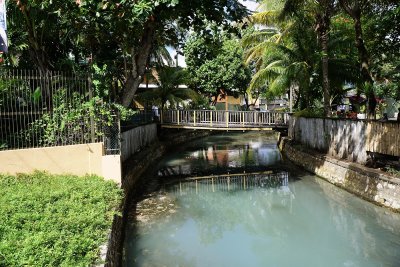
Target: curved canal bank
{"x":370,"y":184}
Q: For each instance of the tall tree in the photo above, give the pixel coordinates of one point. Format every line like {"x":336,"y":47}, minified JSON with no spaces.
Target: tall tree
{"x":216,"y":65}
{"x":354,"y":9}
{"x":323,"y":23}
{"x":322,"y":11}
{"x":112,"y":32}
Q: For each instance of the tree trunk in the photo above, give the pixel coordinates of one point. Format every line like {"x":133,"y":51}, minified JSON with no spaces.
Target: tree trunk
{"x":322,"y":28}
{"x":325,"y":71}
{"x":246,"y":100}
{"x":139,"y":61}
{"x":354,"y":11}
{"x":36,"y":51}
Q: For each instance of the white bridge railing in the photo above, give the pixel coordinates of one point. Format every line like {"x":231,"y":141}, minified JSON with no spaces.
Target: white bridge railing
{"x":223,"y":119}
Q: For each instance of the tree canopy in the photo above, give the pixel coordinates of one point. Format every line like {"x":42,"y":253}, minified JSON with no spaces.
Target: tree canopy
{"x":215,"y":64}
{"x":315,"y":47}
{"x":119,"y":34}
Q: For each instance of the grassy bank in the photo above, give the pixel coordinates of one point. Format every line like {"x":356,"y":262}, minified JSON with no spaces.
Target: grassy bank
{"x":48,"y":220}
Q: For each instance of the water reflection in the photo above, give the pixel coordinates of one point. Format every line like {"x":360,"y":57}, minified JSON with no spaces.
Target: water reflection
{"x":283,"y":217}
{"x":231,"y":182}
{"x":218,"y":155}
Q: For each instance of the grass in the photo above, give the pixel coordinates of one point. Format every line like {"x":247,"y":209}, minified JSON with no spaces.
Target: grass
{"x":392,"y":171}
{"x":54,"y":220}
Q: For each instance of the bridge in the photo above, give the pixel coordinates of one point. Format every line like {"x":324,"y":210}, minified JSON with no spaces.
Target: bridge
{"x":224,"y":120}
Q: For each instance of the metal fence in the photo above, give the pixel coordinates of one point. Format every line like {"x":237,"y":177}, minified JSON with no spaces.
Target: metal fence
{"x":224,"y":119}
{"x":52,"y":110}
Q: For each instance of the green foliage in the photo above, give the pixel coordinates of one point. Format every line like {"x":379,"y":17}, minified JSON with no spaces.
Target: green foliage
{"x":310,"y":113}
{"x":216,"y":63}
{"x":124,"y":35}
{"x":393,"y":171}
{"x":169,"y":81}
{"x":71,"y":120}
{"x":20,"y":90}
{"x":287,"y":53}
{"x":49,"y":220}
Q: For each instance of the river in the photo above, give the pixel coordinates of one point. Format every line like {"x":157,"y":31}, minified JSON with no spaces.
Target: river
{"x":242,"y":204}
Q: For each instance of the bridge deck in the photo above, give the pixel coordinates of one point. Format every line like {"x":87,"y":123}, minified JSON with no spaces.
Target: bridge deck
{"x":224,"y":120}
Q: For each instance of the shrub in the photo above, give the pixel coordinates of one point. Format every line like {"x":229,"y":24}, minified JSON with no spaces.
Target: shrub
{"x":310,"y":113}
{"x":49,"y":220}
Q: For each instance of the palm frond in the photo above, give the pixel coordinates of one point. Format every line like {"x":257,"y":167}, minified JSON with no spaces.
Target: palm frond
{"x":263,"y":76}
{"x":279,"y":86}
{"x":265,"y":17}
{"x":254,"y":52}
{"x":258,"y":36}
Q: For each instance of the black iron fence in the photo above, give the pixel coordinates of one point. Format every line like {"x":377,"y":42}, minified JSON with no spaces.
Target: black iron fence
{"x":51,"y":110}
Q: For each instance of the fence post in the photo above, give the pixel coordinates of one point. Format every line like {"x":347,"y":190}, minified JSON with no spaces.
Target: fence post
{"x":211,"y":117}
{"x":92,"y":130}
{"x":227,"y":118}
{"x":194,"y":117}
{"x":177,"y":116}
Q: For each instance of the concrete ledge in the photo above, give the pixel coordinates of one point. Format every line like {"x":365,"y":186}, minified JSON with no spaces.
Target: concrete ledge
{"x":72,"y":159}
{"x":372,"y":185}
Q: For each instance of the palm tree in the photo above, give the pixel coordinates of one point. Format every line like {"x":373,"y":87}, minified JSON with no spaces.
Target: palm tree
{"x":354,"y":9}
{"x":321,"y":11}
{"x":287,"y":53}
{"x":169,"y":81}
{"x":282,"y":53}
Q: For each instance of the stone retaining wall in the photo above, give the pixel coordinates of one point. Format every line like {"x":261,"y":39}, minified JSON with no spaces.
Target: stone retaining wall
{"x":372,"y":185}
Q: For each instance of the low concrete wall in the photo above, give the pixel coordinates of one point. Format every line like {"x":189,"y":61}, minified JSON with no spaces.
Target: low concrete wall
{"x":74,"y":159}
{"x":346,"y":139}
{"x":372,"y":185}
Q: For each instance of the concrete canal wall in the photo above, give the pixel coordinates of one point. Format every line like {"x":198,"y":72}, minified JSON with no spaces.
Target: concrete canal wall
{"x":137,"y":138}
{"x":351,"y":140}
{"x":372,"y":185}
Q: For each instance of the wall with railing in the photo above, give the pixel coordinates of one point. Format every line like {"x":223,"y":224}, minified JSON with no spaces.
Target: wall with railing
{"x":53,"y":122}
{"x":347,"y":139}
{"x":49,"y":110}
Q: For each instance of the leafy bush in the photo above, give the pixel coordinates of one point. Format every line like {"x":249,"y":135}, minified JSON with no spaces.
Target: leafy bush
{"x":71,"y":119}
{"x":310,"y":113}
{"x":49,"y":220}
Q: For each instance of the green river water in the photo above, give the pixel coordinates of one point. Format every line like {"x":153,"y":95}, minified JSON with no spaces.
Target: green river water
{"x":266,"y":212}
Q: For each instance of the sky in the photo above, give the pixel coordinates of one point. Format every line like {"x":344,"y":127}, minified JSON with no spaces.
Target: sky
{"x":250,"y":4}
